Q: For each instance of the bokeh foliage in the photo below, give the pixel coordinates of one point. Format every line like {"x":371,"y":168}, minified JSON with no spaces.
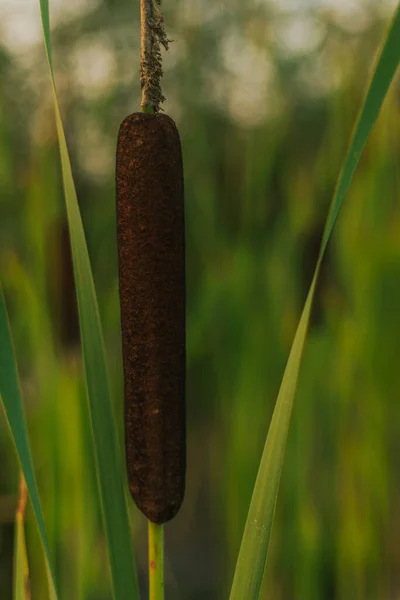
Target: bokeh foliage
{"x":258,"y":181}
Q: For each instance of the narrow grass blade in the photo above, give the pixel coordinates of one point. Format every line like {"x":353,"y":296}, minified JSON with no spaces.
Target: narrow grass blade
{"x":253,"y":551}
{"x":10,"y":394}
{"x":21,"y":570}
{"x":51,"y":590}
{"x":108,"y":459}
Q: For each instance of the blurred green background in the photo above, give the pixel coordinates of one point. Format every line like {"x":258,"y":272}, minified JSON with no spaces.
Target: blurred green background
{"x":264,"y":93}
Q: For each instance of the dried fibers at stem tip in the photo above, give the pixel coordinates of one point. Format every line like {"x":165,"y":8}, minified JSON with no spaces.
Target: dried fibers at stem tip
{"x":153,"y":36}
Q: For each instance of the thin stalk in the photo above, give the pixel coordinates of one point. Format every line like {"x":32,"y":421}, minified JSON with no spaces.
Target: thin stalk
{"x":21,"y":569}
{"x":156,"y":561}
{"x":152,"y":37}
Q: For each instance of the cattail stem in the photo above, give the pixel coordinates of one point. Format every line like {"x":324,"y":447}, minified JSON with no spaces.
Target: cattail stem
{"x":156,"y":561}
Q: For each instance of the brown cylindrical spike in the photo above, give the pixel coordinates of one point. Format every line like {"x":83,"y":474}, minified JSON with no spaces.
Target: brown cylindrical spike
{"x":151,"y":249}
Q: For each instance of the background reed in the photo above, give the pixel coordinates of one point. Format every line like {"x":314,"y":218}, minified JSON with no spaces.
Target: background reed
{"x":257,"y":193}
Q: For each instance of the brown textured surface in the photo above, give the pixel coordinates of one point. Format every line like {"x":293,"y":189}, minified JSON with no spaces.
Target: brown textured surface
{"x":150,"y":221}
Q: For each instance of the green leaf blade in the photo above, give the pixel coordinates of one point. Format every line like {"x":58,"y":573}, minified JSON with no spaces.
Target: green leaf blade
{"x":254,"y":547}
{"x":110,"y":473}
{"x":384,"y":71}
{"x":10,"y":394}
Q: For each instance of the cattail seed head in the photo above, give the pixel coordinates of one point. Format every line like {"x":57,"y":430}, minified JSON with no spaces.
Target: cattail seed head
{"x":151,"y":249}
